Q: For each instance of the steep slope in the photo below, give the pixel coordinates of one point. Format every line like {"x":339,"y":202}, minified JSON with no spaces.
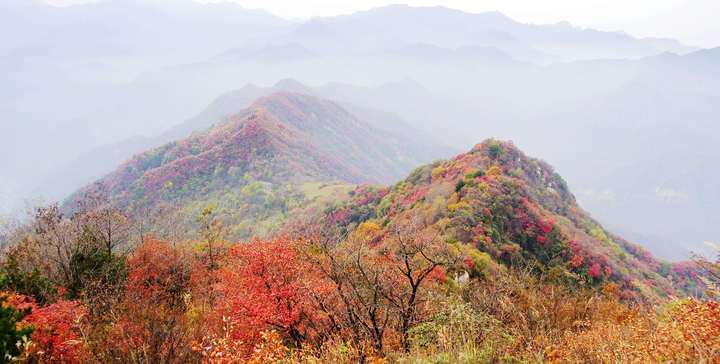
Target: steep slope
{"x":517,"y":211}
{"x":259,"y":164}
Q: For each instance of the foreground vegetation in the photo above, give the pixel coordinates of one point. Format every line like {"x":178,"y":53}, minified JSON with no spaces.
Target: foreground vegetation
{"x":73,"y":293}
{"x":482,"y":258}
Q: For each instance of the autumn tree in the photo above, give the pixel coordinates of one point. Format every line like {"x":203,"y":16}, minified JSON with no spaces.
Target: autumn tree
{"x":415,"y":252}
{"x":57,"y":335}
{"x":380,"y":277}
{"x":151,"y":323}
{"x":108,"y":226}
{"x":354,"y":307}
{"x":211,"y":231}
{"x":80,"y":253}
{"x":53,"y":333}
{"x":266,"y":286}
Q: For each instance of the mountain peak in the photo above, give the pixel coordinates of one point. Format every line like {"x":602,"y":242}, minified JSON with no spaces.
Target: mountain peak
{"x":400,"y":8}
{"x":284,"y":140}
{"x":292,"y":85}
{"x":517,"y":210}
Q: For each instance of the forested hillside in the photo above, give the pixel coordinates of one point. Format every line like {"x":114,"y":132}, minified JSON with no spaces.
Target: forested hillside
{"x":485,"y":257}
{"x":283,"y":152}
{"x":515,"y":210}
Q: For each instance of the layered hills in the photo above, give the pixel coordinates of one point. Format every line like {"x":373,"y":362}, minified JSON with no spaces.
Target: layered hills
{"x":103,"y":160}
{"x":291,"y":155}
{"x":262,"y":162}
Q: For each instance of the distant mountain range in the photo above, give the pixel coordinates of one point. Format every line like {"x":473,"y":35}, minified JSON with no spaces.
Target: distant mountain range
{"x":390,"y":26}
{"x":629,"y":122}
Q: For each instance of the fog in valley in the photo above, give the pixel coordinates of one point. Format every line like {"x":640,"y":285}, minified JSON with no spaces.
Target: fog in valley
{"x":630,"y":123}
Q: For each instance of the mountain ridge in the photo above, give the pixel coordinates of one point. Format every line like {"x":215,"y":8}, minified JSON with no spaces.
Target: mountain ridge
{"x":518,"y":211}
{"x":100,"y":161}
{"x":290,"y":148}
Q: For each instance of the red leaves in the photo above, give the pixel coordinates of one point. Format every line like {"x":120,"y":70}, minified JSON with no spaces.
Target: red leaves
{"x":594,"y":270}
{"x":607,"y":271}
{"x":439,"y":274}
{"x":266,"y":286}
{"x":153,"y":317}
{"x":469,"y":263}
{"x":416,"y":196}
{"x":546,"y":226}
{"x":341,"y":216}
{"x":577,"y":261}
{"x":158,"y":273}
{"x":365,"y":195}
{"x":56,"y":337}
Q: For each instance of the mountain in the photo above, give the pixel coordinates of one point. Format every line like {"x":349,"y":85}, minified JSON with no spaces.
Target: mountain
{"x":128,"y":28}
{"x":515,"y":210}
{"x":260,"y":163}
{"x":636,"y":152}
{"x":289,"y":156}
{"x":79,"y":63}
{"x":396,"y":25}
{"x":663,"y":136}
{"x":474,"y":76}
{"x":102,"y":160}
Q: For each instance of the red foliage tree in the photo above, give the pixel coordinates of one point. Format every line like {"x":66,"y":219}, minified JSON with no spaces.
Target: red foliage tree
{"x":594,"y":270}
{"x":56,"y":338}
{"x":153,"y":323}
{"x":158,"y":273}
{"x":266,"y":287}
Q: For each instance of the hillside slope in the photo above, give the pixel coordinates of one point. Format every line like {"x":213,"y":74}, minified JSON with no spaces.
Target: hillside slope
{"x":103,"y":160}
{"x":259,"y":164}
{"x":515,"y":210}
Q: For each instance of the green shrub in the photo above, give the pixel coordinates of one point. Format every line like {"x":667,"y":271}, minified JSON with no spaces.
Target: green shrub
{"x":32,"y":283}
{"x":12,"y":337}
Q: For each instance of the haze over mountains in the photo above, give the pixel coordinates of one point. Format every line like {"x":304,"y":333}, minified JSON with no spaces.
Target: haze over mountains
{"x":414,"y":147}
{"x":291,"y":157}
{"x":628,"y":122}
{"x":262,"y":162}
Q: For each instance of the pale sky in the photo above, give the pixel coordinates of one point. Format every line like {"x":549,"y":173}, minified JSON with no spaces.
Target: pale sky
{"x":694,"y":22}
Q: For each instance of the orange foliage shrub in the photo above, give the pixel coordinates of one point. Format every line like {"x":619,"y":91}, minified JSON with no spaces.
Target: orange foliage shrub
{"x":158,"y":273}
{"x":152,"y":323}
{"x":686,"y":331}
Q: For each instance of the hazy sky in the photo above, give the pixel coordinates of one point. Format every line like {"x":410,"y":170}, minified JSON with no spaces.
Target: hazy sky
{"x":693,"y":22}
